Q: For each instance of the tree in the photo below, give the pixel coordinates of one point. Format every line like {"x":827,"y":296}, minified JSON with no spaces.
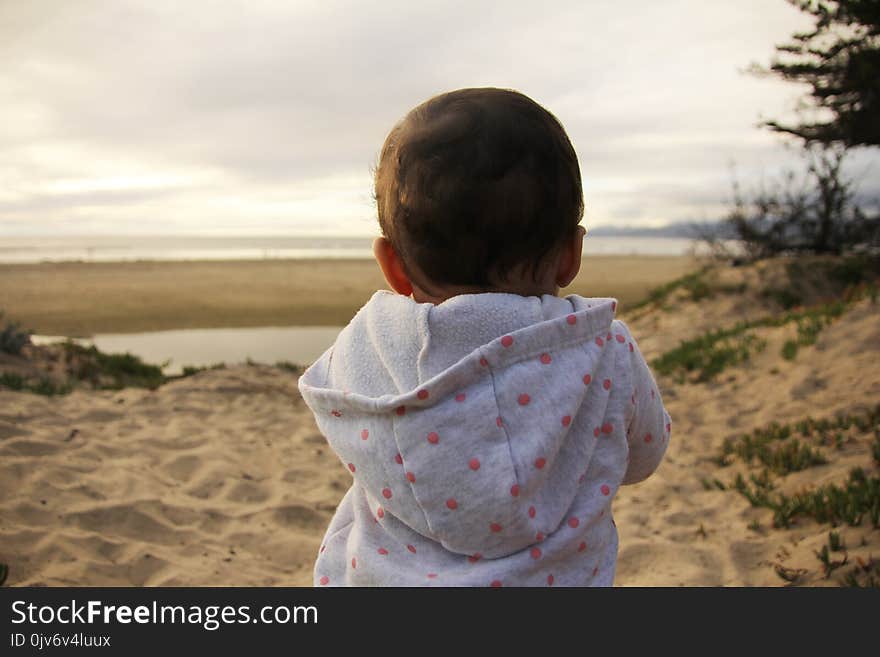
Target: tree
{"x":840,"y":60}
{"x":813,"y":213}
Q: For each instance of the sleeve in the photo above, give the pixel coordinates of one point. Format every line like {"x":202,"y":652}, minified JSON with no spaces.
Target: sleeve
{"x":649,"y":425}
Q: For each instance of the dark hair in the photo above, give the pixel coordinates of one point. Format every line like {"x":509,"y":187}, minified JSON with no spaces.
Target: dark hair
{"x":476,"y":182}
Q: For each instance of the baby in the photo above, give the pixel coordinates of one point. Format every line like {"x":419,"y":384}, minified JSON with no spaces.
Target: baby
{"x":487,"y":422}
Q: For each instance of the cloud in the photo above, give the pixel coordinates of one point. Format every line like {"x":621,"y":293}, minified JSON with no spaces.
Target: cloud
{"x":275,"y":111}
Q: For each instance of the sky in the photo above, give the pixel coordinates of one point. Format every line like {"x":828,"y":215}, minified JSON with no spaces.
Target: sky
{"x":258,"y":117}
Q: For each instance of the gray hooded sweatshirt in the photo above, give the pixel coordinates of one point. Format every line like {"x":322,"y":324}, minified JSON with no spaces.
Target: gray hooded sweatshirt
{"x":486,"y":437}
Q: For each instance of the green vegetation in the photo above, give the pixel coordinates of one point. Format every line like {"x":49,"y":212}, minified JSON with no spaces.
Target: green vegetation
{"x":112,"y":371}
{"x":781,"y":449}
{"x":13,"y":338}
{"x":791,"y":456}
{"x":707,"y":355}
{"x":43,"y":386}
{"x":190,"y":370}
{"x":694,"y":283}
{"x":849,"y":503}
{"x":287,"y":366}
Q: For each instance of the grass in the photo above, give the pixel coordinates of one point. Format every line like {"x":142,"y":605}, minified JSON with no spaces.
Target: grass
{"x":13,"y":338}
{"x":707,"y":355}
{"x":791,"y":456}
{"x":42,"y":386}
{"x":780,"y":449}
{"x":856,"y":498}
{"x":694,"y":283}
{"x":112,"y":371}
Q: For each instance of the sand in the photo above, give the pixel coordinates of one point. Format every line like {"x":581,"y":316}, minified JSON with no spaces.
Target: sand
{"x":80,"y":299}
{"x":223,"y":478}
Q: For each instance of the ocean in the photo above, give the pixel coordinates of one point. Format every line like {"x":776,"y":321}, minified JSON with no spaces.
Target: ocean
{"x":121,"y":248}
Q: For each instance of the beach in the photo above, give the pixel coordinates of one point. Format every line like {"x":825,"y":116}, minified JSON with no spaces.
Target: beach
{"x":222,"y":478}
{"x":80,"y":298}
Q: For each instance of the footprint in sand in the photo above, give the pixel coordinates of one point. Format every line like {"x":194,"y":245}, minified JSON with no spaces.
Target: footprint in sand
{"x":24,"y":447}
{"x":247,"y":492}
{"x":183,"y":467}
{"x":297,"y":516}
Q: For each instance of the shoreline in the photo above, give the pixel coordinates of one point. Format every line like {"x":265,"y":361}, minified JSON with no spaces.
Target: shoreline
{"x":81,"y":299}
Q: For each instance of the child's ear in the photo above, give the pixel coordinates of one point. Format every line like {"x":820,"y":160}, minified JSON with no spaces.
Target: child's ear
{"x":391,"y":266}
{"x":569,"y":263}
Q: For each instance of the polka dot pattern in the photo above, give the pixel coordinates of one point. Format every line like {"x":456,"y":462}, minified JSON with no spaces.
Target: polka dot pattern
{"x":551,"y":404}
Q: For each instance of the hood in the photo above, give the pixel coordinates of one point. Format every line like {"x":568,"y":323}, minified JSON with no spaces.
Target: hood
{"x":463,"y":418}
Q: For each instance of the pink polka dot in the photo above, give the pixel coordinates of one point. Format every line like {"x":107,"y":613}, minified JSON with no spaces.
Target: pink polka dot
{"x":631,"y":347}
{"x":354,"y":562}
{"x":336,"y":413}
{"x":582,"y":546}
{"x":411,"y":548}
{"x":324,"y":580}
{"x":484,"y":362}
{"x":400,"y":410}
{"x":648,"y":438}
{"x":422,"y":394}
{"x":514,"y":490}
{"x":532,"y":512}
{"x":600,"y":342}
{"x":596,"y":432}
{"x":507,"y":341}
{"x":606,"y":384}
{"x":540,"y":462}
{"x":474,"y":464}
{"x":668,"y":427}
{"x":571,"y":319}
{"x":524,"y":399}
{"x":351,"y":467}
{"x":545,"y":358}
{"x":620,"y":338}
{"x":475,"y":557}
{"x":536,"y":553}
{"x":386,"y":493}
{"x":607,"y":428}
{"x":573,"y":522}
{"x":398,"y":459}
{"x":498,"y":421}
{"x":365,"y":433}
{"x":451,"y":504}
{"x":595,"y":571}
{"x":549,"y":580}
{"x":608,"y":337}
{"x":539,"y":536}
{"x":380,"y":513}
{"x":566,"y":420}
{"x":382,"y":551}
{"x":495,"y":527}
{"x":605,"y":490}
{"x":410,"y":477}
{"x":587,"y":379}
{"x":613,"y":305}
{"x":433,"y":438}
{"x":432,"y":575}
{"x":496,"y":584}
{"x":460,"y":397}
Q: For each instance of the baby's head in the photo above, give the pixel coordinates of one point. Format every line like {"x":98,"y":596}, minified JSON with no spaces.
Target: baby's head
{"x":478,"y":190}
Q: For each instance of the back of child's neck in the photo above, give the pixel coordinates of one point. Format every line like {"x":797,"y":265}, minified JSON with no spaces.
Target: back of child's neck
{"x":439,"y":295}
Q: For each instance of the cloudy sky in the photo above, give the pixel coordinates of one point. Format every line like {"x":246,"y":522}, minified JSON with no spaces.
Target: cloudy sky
{"x":263,"y":117}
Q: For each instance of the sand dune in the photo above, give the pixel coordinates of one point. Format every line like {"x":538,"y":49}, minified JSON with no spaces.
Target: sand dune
{"x":223,"y":478}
